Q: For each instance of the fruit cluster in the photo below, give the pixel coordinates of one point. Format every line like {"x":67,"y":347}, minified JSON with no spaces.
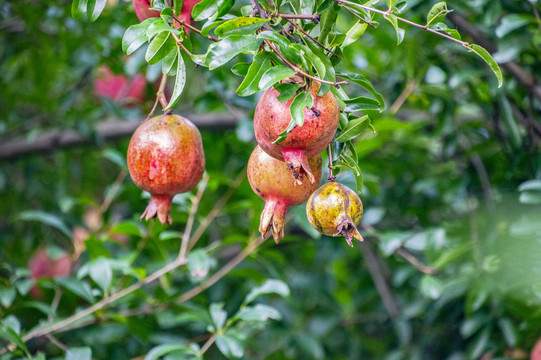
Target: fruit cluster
{"x":165,"y":157}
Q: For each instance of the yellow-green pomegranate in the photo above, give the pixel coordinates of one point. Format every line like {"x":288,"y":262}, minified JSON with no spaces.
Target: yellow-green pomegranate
{"x":335,"y":210}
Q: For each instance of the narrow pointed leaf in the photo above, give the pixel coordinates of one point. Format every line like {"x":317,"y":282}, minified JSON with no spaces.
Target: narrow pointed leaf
{"x":399,"y":32}
{"x":365,"y":83}
{"x":485,"y":55}
{"x":240,"y":26}
{"x":136,"y":36}
{"x":353,"y":129}
{"x":160,"y":47}
{"x":275,"y":74}
{"x":250,"y":84}
{"x":437,"y":13}
{"x":180,"y":81}
{"x":222,"y":52}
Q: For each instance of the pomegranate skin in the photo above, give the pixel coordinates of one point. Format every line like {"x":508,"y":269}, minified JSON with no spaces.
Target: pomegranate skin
{"x":271,"y":180}
{"x":143,"y":12}
{"x":165,"y":158}
{"x":320,"y":123}
{"x":334,"y":210}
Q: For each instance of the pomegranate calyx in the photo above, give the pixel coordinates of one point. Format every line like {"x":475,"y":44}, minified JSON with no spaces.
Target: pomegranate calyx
{"x":159,"y":206}
{"x":297,"y":161}
{"x":273,"y":220}
{"x":348,"y":230}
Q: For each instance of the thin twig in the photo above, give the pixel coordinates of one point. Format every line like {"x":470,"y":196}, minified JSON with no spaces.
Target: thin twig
{"x":408,"y":90}
{"x":57,"y":343}
{"x":112,"y":193}
{"x":309,"y":36}
{"x":207,"y":345}
{"x":216,"y":209}
{"x":222,"y":272}
{"x":331,"y":167}
{"x":193,"y":28}
{"x":191,"y":217}
{"x":359,"y":17}
{"x":160,"y":96}
{"x":314,"y":17}
{"x":387,"y":13}
{"x":415,"y":262}
{"x":299,"y":70}
{"x":179,"y":43}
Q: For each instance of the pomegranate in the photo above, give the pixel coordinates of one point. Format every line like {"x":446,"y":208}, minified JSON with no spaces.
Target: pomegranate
{"x":118,"y":87}
{"x":165,"y":158}
{"x":320,"y":123}
{"x":335,"y":209}
{"x":271,"y":180}
{"x":42,"y":265}
{"x":143,"y":12}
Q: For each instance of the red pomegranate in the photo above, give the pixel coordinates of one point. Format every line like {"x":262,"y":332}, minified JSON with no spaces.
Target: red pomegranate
{"x":271,"y":180}
{"x":42,"y":265}
{"x":165,"y":158}
{"x":143,"y":12}
{"x":119,"y":88}
{"x":320,"y":123}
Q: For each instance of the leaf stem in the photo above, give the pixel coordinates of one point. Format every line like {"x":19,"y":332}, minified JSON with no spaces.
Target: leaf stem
{"x":193,"y":28}
{"x":207,"y":345}
{"x":160,"y":96}
{"x":359,"y":17}
{"x":179,"y":43}
{"x":387,"y":13}
{"x":191,"y":217}
{"x":331,"y":167}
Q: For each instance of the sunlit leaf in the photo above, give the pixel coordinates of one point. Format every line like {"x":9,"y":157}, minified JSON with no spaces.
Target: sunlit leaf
{"x":485,"y":55}
{"x":275,"y":74}
{"x":180,"y":80}
{"x":437,"y":13}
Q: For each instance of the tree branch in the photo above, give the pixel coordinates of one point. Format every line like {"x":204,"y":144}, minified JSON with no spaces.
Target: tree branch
{"x":112,"y":129}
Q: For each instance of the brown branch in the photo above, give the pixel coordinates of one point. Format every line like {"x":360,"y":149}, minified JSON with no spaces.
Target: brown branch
{"x":408,"y":90}
{"x":375,"y":269}
{"x":514,"y":69}
{"x":191,"y":217}
{"x":160,"y":96}
{"x":309,"y":36}
{"x":314,"y":17}
{"x":359,"y":17}
{"x":222,"y":272}
{"x":298,"y":69}
{"x":179,"y":43}
{"x":193,"y":28}
{"x":207,"y":345}
{"x":415,"y":262}
{"x":112,"y":129}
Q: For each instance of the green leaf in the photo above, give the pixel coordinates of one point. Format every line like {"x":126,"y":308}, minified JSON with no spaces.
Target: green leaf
{"x":259,"y":312}
{"x":437,"y":13}
{"x":431,"y":287}
{"x":318,"y":64}
{"x":485,"y":55}
{"x":301,"y":101}
{"x":286,"y":47}
{"x":44,"y":308}
{"x":45,"y":218}
{"x":222,"y":52}
{"x":7,"y":295}
{"x":100,"y":271}
{"x":250,"y":84}
{"x":224,"y":7}
{"x":205,"y":9}
{"x":361,"y":103}
{"x":508,"y":331}
{"x":158,"y":5}
{"x":218,"y":315}
{"x":95,"y":8}
{"x":365,"y":83}
{"x":354,"y":33}
{"x":353,"y":129}
{"x":79,"y":8}
{"x":78,"y":287}
{"x":240,"y":26}
{"x":530,"y":185}
{"x":441,"y":27}
{"x":230,"y":346}
{"x":240,"y":69}
{"x":391,"y":3}
{"x":10,"y":335}
{"x":511,"y":23}
{"x":270,"y":286}
{"x":158,"y":27}
{"x":287,"y":91}
{"x":170,"y":64}
{"x":79,"y":353}
{"x":136,"y":36}
{"x":160,"y":47}
{"x":161,"y":350}
{"x":399,"y":32}
{"x":177,"y":6}
{"x":275,"y":74}
{"x":180,"y":81}
{"x":128,"y":228}
{"x":199,"y":263}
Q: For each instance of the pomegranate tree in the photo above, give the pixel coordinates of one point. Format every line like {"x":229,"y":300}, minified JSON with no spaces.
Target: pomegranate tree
{"x":271,"y":180}
{"x":320,"y":123}
{"x":165,"y":158}
{"x":334,"y":210}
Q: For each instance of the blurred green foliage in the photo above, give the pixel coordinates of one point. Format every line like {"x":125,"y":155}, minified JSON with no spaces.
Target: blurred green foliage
{"x":452,"y":175}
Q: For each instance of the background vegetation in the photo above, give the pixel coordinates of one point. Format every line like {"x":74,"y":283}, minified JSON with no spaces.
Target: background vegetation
{"x":452,"y":196}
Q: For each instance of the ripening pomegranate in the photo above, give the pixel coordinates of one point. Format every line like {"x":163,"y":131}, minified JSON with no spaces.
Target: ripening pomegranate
{"x":320,"y":123}
{"x":271,"y":180}
{"x":42,"y":265}
{"x":119,"y":88}
{"x":334,"y":210}
{"x":165,"y":158}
